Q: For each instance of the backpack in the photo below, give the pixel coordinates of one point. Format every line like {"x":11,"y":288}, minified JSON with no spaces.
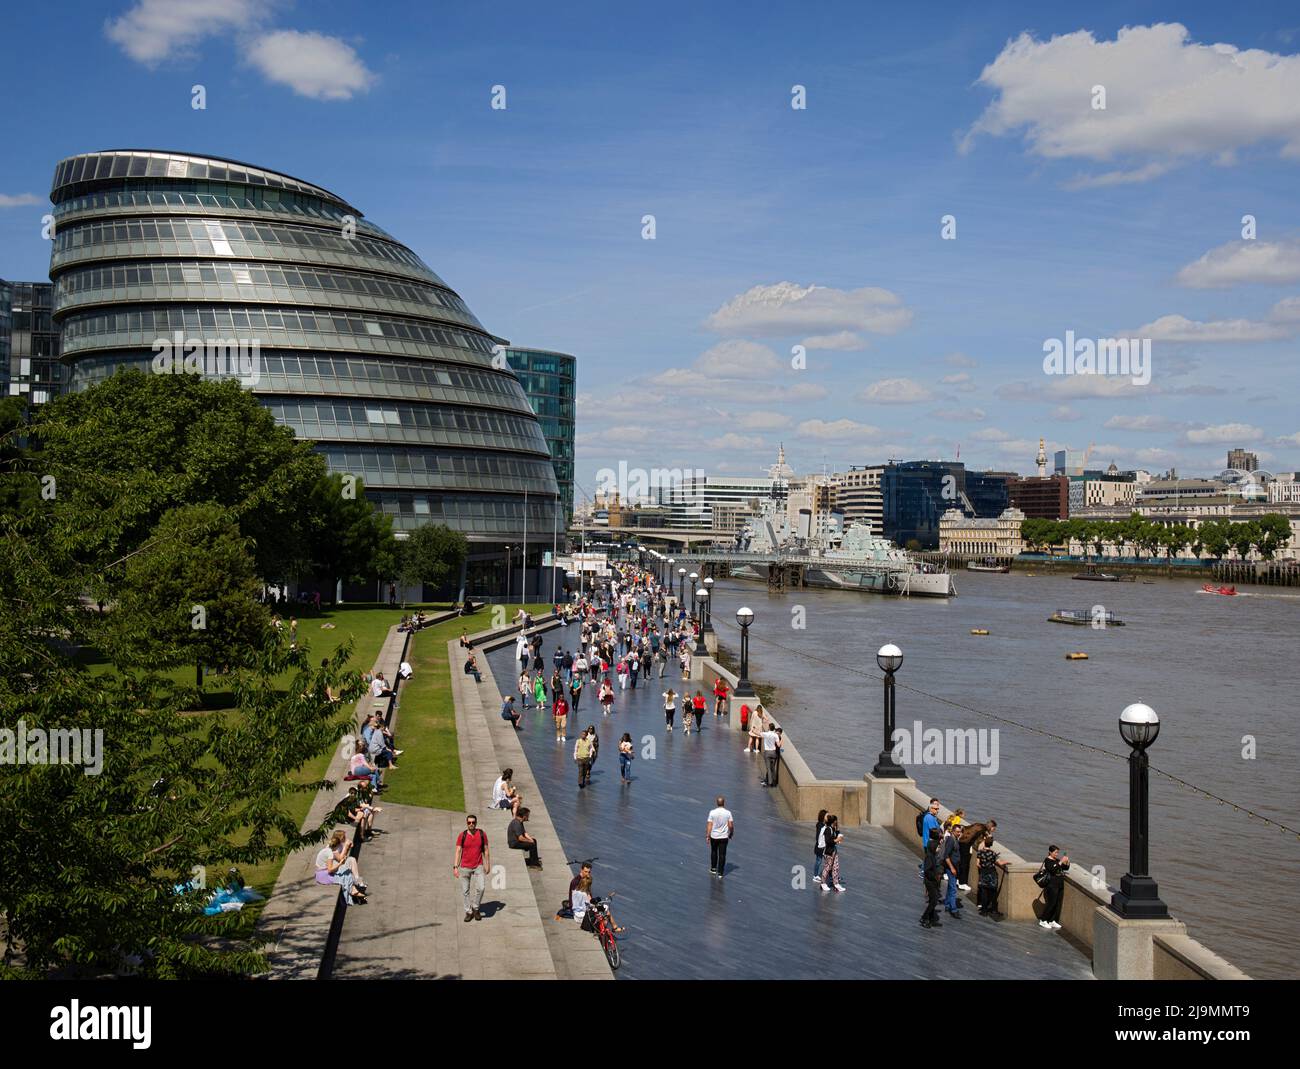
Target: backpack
{"x":920,"y":821}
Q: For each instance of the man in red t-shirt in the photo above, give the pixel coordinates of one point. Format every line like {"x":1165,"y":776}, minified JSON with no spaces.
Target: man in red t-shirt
{"x":719,"y":696}
{"x":471,"y":865}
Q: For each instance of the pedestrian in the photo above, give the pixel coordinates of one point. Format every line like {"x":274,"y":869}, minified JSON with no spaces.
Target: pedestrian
{"x":561,"y":714}
{"x":722,"y":826}
{"x":634,"y":667}
{"x":625,"y":756}
{"x":989,"y":878}
{"x":756,"y":728}
{"x":622,"y":672}
{"x":670,"y":707}
{"x":471,"y":865}
{"x":772,"y":755}
{"x":831,"y":839}
{"x":575,"y":690}
{"x":539,"y":690}
{"x":606,"y":697}
{"x":661,"y":656}
{"x":967,"y":843}
{"x":819,"y":846}
{"x":950,"y":855}
{"x":926,"y":823}
{"x":697,"y":707}
{"x":1051,"y":878}
{"x":686,"y":663}
{"x":719,"y":696}
{"x":582,"y":755}
{"x":930,"y":867}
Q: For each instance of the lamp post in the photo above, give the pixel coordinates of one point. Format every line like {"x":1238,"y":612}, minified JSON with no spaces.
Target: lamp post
{"x":744,"y":689}
{"x":681,"y":586}
{"x":694,"y":577}
{"x":890,"y":659}
{"x":669,"y":581}
{"x":1138,"y":897}
{"x":707,"y":624}
{"x":703,"y":614}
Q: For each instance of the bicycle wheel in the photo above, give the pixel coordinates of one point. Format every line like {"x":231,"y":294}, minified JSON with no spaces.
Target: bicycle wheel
{"x":612,"y":954}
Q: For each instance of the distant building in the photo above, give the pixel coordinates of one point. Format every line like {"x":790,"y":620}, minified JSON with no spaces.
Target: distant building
{"x":968,"y":536}
{"x":1087,"y":493}
{"x":915,"y":494}
{"x":1242,"y":460}
{"x":1069,"y":462}
{"x":986,"y":493}
{"x":858,"y":496}
{"x":549,"y":380}
{"x":29,"y":343}
{"x":1041,"y":498}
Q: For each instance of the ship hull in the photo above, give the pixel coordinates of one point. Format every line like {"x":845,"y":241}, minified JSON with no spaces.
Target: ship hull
{"x":917,"y":584}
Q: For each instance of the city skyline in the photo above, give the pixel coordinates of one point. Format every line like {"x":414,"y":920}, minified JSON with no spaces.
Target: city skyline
{"x":1069,"y":219}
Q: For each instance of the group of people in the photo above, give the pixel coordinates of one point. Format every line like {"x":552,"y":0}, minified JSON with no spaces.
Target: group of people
{"x":416,"y":621}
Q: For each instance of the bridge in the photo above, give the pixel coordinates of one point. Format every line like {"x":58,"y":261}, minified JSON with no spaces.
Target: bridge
{"x":674,"y":535}
{"x":791,"y":568}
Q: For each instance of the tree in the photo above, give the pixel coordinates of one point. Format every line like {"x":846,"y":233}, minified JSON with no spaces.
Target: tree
{"x":348,"y":539}
{"x":1214,"y":537}
{"x":1273,"y":533}
{"x":431,"y":555}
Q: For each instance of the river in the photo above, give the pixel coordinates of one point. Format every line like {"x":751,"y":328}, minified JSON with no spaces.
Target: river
{"x":1215,"y":669}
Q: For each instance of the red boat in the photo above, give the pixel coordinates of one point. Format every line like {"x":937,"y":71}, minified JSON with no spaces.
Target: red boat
{"x":1226,"y":591}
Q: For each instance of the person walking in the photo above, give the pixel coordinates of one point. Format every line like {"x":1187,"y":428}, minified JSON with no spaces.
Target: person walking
{"x":471,"y":865}
{"x":967,"y":844}
{"x":575,"y":691}
{"x":525,"y":688}
{"x":625,"y":756}
{"x":819,"y":846}
{"x":582,"y":755}
{"x":989,"y":877}
{"x":831,"y":857}
{"x":622,"y":672}
{"x":1055,"y":865}
{"x":697,"y":707}
{"x":561,"y":714}
{"x":950,"y":855}
{"x":634,"y":666}
{"x":930,"y":867}
{"x":719,"y":696}
{"x":722,"y":826}
{"x":539,"y":690}
{"x":606,"y":697}
{"x":670,"y":707}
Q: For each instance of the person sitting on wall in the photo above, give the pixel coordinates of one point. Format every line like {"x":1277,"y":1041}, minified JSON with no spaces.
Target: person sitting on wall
{"x":471,"y":669}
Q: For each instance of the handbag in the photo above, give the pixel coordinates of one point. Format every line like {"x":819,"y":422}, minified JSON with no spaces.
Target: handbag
{"x":1041,"y":877}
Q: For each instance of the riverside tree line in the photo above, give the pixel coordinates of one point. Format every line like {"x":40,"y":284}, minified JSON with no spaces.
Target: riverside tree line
{"x":1136,"y":534}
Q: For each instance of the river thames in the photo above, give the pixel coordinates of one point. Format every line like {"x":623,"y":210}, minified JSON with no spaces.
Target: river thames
{"x":1215,"y":669}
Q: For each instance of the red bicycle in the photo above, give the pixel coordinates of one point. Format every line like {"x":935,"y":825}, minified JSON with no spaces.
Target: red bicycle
{"x":603,"y":927}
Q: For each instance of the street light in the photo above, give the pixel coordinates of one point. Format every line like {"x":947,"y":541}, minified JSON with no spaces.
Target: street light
{"x":681,"y":586}
{"x":890,"y":659}
{"x":669,"y":581}
{"x":707,"y":594}
{"x":1138,"y":897}
{"x":694,"y":577}
{"x":702,"y":599}
{"x":744,"y":617}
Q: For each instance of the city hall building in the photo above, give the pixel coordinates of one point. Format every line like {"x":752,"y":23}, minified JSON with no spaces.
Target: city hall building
{"x":360,"y":347}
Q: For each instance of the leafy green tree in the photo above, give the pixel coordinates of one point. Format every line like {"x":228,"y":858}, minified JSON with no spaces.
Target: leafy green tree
{"x":348,"y":539}
{"x":432,"y":554}
{"x":1273,"y":532}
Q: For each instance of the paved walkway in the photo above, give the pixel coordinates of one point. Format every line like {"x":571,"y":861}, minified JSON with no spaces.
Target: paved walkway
{"x":758,"y":923}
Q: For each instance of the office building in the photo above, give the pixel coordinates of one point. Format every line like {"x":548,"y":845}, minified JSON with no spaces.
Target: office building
{"x":549,"y":380}
{"x":29,"y":343}
{"x":343,"y":332}
{"x":857,"y":495}
{"x":1241,"y":460}
{"x":1041,"y":498}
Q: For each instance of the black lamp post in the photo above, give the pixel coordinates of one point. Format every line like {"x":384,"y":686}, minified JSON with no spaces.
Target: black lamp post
{"x":702,"y":614}
{"x":744,"y":689}
{"x":668,"y":582}
{"x":706,"y":625}
{"x":890,"y":659}
{"x":694,"y":577}
{"x":1138,"y":897}
{"x":681,"y":586}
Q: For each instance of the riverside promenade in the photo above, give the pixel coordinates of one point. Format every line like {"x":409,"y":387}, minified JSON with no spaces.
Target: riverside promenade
{"x":762,"y":921}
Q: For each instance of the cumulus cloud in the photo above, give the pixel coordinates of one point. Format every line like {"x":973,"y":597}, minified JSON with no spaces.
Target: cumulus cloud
{"x":838,"y":430}
{"x":1180,"y":328}
{"x":1143,"y":423}
{"x":1239,"y":262}
{"x":19,"y":200}
{"x":1065,"y":414}
{"x":158,"y":30}
{"x":311,"y":64}
{"x":960,"y":360}
{"x":1224,"y":433}
{"x":748,"y":442}
{"x":844,"y":341}
{"x":958,"y":415}
{"x":991,"y":434}
{"x":1168,"y":99}
{"x":787,"y":308}
{"x":762,"y":421}
{"x":895,"y":392}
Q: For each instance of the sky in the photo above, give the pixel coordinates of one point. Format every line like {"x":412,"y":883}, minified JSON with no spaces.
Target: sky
{"x":853,"y":229}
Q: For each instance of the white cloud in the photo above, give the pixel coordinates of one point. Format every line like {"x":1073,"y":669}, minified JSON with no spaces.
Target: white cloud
{"x":750,"y":443}
{"x":1224,"y":433}
{"x":990,"y":434}
{"x":1065,"y":414}
{"x":1168,"y":99}
{"x":762,"y":421}
{"x":895,"y":392}
{"x":787,"y":308}
{"x":953,"y":380}
{"x":844,"y":341}
{"x":1286,"y":310}
{"x":738,"y":359}
{"x":1238,"y":262}
{"x":838,"y":430}
{"x":19,"y":200}
{"x":158,"y":30}
{"x":1180,"y":328}
{"x":1077,"y":388}
{"x":960,"y":360}
{"x":311,"y":64}
{"x":1142,"y":423}
{"x":958,"y":415}
{"x":1289,"y":439}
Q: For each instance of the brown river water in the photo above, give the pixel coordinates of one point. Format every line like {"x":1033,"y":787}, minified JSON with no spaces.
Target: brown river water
{"x":1215,"y":669}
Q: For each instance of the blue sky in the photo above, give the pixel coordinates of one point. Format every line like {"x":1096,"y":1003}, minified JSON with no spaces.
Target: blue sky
{"x":1126,"y":219}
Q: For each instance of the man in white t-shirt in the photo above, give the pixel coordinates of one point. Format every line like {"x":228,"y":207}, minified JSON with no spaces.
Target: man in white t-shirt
{"x":405,"y":670}
{"x":379,"y":686}
{"x":771,"y":754}
{"x":721,"y":829}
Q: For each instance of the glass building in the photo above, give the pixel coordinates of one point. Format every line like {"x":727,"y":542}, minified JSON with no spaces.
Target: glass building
{"x":549,"y":379}
{"x":29,"y":342}
{"x":357,"y":344}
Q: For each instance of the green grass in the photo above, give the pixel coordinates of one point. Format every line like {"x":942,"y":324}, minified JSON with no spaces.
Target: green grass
{"x":428,"y":773}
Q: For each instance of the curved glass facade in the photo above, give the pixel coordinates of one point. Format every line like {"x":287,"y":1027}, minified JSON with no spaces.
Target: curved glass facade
{"x":355,"y":343}
{"x":550,"y":381}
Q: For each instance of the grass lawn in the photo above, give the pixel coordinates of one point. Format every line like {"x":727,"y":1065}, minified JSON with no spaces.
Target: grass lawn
{"x":428,"y":773}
